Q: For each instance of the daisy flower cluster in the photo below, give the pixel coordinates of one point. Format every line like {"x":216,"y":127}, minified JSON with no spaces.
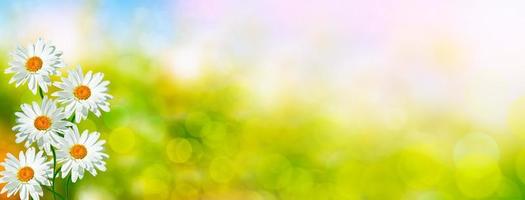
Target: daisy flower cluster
{"x":56,"y":148}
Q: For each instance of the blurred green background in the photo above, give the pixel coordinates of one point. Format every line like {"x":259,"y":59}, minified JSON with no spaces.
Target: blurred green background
{"x":231,"y":99}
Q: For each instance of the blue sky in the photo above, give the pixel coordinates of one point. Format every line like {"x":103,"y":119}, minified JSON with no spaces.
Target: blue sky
{"x":122,"y":21}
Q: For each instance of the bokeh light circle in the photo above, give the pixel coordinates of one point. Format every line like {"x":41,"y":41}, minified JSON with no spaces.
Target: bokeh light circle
{"x":122,"y":140}
{"x":179,"y":150}
{"x":476,"y":158}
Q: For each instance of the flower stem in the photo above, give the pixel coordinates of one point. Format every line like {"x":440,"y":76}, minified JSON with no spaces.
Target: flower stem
{"x":54,"y":171}
{"x":67,"y":186}
{"x":54,"y":193}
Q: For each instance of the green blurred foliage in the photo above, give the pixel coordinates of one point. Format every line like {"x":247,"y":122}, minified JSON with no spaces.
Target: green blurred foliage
{"x":210,"y":139}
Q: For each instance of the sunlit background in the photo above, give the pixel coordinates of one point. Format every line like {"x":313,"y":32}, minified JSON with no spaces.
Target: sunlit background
{"x":291,"y":99}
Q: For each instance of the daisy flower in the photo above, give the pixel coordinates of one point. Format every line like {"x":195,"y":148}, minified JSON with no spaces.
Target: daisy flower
{"x":35,"y":64}
{"x":81,"y":94}
{"x":80,"y":152}
{"x":41,"y":124}
{"x":25,"y":174}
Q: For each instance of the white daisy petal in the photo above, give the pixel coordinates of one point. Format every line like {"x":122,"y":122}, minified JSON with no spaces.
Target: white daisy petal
{"x":32,"y":65}
{"x":27,"y":177}
{"x":81,"y":94}
{"x":42,"y":124}
{"x":80,"y":152}
{"x":24,"y":193}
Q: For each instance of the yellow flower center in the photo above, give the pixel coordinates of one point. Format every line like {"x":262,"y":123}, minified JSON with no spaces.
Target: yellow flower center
{"x":34,"y":64}
{"x":25,"y":174}
{"x":78,"y":151}
{"x":42,"y":123}
{"x":82,"y":92}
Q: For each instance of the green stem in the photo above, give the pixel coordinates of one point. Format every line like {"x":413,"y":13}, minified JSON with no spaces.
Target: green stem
{"x":52,"y":191}
{"x":67,"y":186}
{"x":58,"y":171}
{"x":54,"y":171}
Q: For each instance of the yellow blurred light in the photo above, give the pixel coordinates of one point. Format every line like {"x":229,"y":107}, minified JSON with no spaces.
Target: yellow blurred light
{"x":88,"y":193}
{"x":179,"y":150}
{"x":221,"y":169}
{"x":476,"y":157}
{"x":301,"y":183}
{"x":520,"y":165}
{"x":195,"y":121}
{"x":476,"y":144}
{"x":379,"y":181}
{"x":348,"y":184}
{"x":197,"y":151}
{"x":122,"y":140}
{"x":478,"y":176}
{"x":29,"y":97}
{"x":419,"y":167}
{"x":427,"y":195}
{"x":185,"y":190}
{"x":273,"y":171}
{"x":87,"y":125}
{"x":516,"y":117}
{"x":214,"y":134}
{"x":154,"y":182}
{"x":154,"y":188}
